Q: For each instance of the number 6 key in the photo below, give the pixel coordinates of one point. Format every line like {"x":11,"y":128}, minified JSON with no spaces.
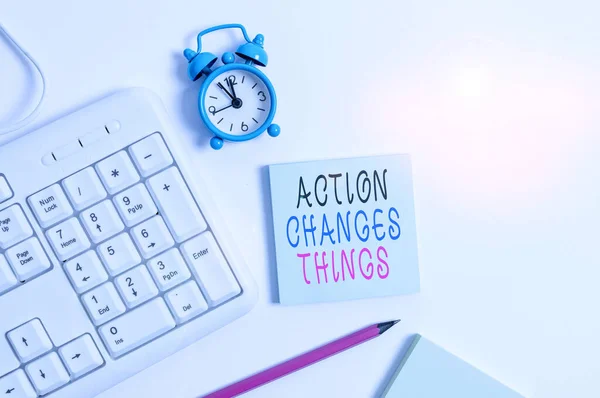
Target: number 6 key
{"x":152,"y":237}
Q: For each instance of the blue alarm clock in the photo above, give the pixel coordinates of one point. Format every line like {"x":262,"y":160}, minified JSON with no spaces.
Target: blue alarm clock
{"x":237,"y":102}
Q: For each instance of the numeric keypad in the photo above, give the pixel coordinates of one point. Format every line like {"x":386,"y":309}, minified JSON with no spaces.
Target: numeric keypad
{"x":135,"y":248}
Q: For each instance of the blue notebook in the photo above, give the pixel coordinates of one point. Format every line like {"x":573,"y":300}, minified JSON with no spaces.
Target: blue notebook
{"x":428,"y":371}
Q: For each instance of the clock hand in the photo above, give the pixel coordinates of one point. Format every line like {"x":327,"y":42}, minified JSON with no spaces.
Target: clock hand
{"x":224,"y":89}
{"x":228,"y":106}
{"x":230,"y":84}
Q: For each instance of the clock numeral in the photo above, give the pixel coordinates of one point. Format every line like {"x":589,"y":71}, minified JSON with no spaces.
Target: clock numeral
{"x":230,"y":79}
{"x":244,"y":127}
{"x":212,"y":110}
{"x":261,"y":93}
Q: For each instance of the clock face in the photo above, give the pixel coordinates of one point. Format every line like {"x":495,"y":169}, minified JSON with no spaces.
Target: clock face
{"x":237,"y":102}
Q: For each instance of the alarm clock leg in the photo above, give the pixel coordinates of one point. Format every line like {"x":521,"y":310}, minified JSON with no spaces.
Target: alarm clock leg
{"x":274,"y":130}
{"x":216,"y":143}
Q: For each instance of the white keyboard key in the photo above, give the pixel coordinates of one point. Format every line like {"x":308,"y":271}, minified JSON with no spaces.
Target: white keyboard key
{"x":117,"y":172}
{"x":47,"y":373}
{"x":86,"y":271}
{"x":151,"y":155}
{"x":210,"y":267}
{"x":84,"y":188}
{"x":50,"y":205}
{"x":68,"y":239}
{"x":102,"y":221}
{"x":30,"y":340}
{"x":152,"y":237}
{"x":13,"y":226}
{"x":136,"y":286}
{"x":169,"y":269}
{"x":135,"y":205}
{"x":176,"y":204}
{"x":17,"y":385}
{"x":103,"y":303}
{"x":119,"y":254}
{"x":186,"y":301}
{"x":81,"y":356}
{"x":5,"y":192}
{"x":28,"y":259}
{"x":137,"y":327}
{"x":7,"y":278}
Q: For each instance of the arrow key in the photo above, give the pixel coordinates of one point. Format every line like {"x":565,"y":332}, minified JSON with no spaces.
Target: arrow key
{"x":16,"y":385}
{"x":152,"y":237}
{"x":136,"y":286}
{"x":30,"y":340}
{"x":47,"y":373}
{"x":101,"y":221}
{"x":81,"y":356}
{"x":86,"y":271}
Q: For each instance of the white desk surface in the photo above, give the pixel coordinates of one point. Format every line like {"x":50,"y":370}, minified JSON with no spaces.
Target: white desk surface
{"x":496,"y":101}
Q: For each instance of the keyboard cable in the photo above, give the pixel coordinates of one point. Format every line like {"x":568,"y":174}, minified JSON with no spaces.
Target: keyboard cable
{"x":34,"y":113}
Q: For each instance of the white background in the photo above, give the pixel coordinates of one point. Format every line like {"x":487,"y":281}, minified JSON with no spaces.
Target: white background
{"x":497,"y":102}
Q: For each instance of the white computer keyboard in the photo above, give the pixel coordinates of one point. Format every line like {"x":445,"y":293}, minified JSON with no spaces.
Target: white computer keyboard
{"x":110,"y":258}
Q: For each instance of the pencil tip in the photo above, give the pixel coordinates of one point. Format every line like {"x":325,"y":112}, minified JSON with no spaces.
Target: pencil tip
{"x":384,"y":326}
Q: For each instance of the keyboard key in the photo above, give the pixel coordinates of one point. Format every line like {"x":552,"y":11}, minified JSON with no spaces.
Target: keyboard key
{"x":210,"y":267}
{"x":136,"y":286}
{"x":135,"y":205}
{"x":17,"y":385}
{"x":102,"y":221}
{"x":5,"y":191}
{"x":169,"y":269}
{"x":68,"y":239}
{"x":84,"y":188}
{"x":86,"y":271}
{"x":151,"y":155}
{"x":119,"y":254}
{"x":50,"y":205}
{"x":103,"y":303}
{"x":28,"y":259}
{"x":81,"y":356}
{"x":186,"y":301}
{"x":137,"y":327}
{"x":47,"y":373}
{"x":30,"y":340}
{"x":152,"y":237}
{"x":117,"y":172}
{"x":13,"y":226}
{"x":176,"y":204}
{"x":7,"y":278}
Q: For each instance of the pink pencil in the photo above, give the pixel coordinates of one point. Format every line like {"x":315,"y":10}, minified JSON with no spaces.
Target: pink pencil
{"x":303,"y":360}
